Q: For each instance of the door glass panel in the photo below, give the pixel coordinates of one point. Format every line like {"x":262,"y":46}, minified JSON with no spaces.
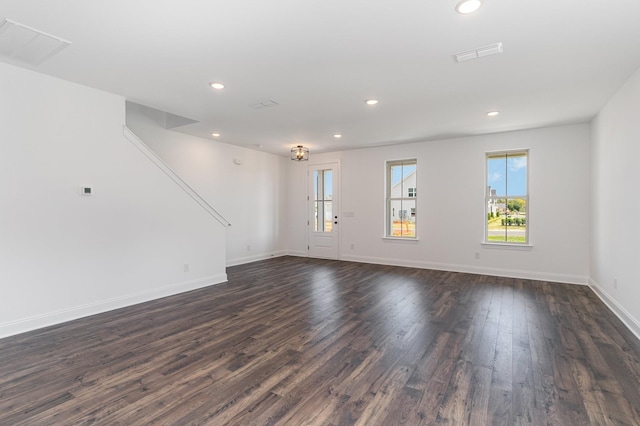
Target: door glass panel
{"x":318,"y":213}
{"x":323,"y":206}
{"x":328,"y":216}
{"x":328,"y":184}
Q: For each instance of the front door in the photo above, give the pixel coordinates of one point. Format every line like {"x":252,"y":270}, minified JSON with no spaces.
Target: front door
{"x":323,"y":211}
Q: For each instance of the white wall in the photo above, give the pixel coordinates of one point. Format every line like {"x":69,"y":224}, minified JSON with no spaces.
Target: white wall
{"x":616,"y":203}
{"x":451,"y":191}
{"x":251,"y":195}
{"x":64,"y":255}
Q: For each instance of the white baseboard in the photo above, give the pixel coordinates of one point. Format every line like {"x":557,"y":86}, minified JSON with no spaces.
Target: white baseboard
{"x":627,"y":319}
{"x":500,"y":272}
{"x":297,"y":253}
{"x":248,"y":259}
{"x":63,"y":315}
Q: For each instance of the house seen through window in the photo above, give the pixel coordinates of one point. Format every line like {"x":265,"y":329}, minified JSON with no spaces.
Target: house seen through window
{"x":401,"y":199}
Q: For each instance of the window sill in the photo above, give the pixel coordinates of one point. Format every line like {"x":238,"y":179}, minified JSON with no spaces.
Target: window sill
{"x":400,"y":239}
{"x":507,"y":246}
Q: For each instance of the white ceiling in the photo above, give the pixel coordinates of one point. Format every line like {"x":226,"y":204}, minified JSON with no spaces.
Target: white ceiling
{"x":321,"y":59}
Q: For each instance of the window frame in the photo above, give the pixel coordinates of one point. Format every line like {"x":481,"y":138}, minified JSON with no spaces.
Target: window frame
{"x":488,"y":197}
{"x":411,"y":212}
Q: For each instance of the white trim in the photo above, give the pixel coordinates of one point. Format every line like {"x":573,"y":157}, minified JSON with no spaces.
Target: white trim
{"x":255,"y":258}
{"x":297,"y":253}
{"x":507,"y":246}
{"x":506,"y":151}
{"x":155,"y":159}
{"x":56,"y":317}
{"x":627,"y":319}
{"x":500,"y":272}
{"x":402,"y":239}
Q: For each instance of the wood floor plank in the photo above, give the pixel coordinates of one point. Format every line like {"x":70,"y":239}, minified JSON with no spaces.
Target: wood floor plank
{"x":317,"y":342}
{"x":501,"y":393}
{"x":541,"y":348}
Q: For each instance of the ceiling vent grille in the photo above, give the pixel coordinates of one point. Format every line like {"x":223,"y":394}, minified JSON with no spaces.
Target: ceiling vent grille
{"x":480,"y":52}
{"x":265,"y":104}
{"x":28,"y":45}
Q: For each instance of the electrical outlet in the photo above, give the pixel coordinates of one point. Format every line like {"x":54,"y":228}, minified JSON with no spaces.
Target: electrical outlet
{"x":477,"y":255}
{"x":353,"y":246}
{"x":248,"y":247}
{"x":185,"y":267}
{"x":615,"y":283}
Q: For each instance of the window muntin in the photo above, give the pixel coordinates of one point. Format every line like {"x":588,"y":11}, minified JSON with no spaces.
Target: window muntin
{"x":507,"y":197}
{"x":401,"y":199}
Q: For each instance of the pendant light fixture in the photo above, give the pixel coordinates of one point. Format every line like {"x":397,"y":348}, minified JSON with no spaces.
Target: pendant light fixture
{"x":300,"y":153}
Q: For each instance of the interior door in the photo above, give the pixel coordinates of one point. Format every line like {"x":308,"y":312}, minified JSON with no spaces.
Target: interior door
{"x":323,"y":211}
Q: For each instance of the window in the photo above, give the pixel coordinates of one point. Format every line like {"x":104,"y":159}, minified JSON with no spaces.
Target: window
{"x":507,"y":197}
{"x":401,"y":199}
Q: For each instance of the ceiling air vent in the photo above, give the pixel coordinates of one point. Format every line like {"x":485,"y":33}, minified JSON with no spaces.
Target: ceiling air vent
{"x":28,"y":45}
{"x":480,"y":52}
{"x":265,"y":104}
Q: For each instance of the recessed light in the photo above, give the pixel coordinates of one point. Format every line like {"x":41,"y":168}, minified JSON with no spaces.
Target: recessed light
{"x":371,"y":101}
{"x":217,"y":86}
{"x":493,"y":113}
{"x":468,"y":6}
{"x":337,"y":136}
{"x":215,"y":135}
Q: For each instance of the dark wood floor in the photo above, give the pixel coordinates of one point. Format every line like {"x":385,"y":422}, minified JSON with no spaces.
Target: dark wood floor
{"x":301,"y":341}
